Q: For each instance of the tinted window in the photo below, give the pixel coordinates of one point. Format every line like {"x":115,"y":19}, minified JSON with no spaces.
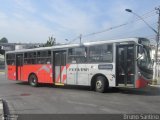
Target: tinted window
{"x":10,"y":59}
{"x":63,"y":58}
{"x":100,"y":53}
{"x":44,"y":57}
{"x":58,"y":59}
{"x":77,"y":55}
{"x":30,"y":58}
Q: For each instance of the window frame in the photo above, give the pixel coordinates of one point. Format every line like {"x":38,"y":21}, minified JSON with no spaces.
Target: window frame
{"x":44,"y":58}
{"x":30,"y":59}
{"x":112,"y":53}
{"x":11,"y":60}
{"x":76,"y":56}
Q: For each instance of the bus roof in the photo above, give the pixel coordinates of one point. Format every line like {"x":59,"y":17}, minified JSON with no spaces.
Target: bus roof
{"x":76,"y":45}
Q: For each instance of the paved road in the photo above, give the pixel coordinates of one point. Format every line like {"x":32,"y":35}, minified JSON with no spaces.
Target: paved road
{"x":46,"y":99}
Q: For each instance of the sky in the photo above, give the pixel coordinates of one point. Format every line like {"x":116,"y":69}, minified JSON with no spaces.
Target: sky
{"x":33,"y":21}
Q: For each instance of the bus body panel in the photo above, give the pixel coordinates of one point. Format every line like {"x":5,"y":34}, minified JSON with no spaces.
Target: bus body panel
{"x":82,"y":74}
{"x":43,"y":72}
{"x":72,"y":74}
{"x":106,"y":69}
{"x":141,"y":83}
{"x":11,"y":72}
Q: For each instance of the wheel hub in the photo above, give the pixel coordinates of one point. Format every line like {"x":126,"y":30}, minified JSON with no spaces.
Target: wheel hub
{"x":99,"y":84}
{"x":33,"y":80}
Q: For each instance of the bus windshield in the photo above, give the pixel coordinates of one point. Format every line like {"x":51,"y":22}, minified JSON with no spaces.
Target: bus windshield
{"x":144,"y":59}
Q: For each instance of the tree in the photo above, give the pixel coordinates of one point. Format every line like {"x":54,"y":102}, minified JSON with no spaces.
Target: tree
{"x":50,"y":42}
{"x":2,"y":51}
{"x":4,"y":40}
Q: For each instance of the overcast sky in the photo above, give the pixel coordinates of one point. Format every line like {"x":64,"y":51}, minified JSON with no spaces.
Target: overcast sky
{"x":34,"y":21}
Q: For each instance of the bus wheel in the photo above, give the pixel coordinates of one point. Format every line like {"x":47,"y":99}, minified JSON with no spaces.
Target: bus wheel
{"x":33,"y":81}
{"x":100,"y":84}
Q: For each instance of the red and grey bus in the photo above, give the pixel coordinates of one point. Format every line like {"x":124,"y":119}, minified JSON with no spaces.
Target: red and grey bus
{"x":100,"y":64}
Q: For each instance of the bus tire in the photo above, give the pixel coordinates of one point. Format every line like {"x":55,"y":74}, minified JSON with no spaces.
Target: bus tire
{"x":33,"y":80}
{"x":101,"y":84}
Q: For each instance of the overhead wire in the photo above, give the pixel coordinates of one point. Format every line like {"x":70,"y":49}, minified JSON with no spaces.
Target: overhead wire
{"x":123,"y":34}
{"x":114,"y":27}
{"x":144,"y":16}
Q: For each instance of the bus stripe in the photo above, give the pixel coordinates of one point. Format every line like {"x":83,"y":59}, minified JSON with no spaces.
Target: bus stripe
{"x":64,"y":76}
{"x":58,"y":78}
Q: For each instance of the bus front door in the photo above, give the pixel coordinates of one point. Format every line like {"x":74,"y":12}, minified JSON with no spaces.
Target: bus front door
{"x":125,"y":70}
{"x":59,"y":67}
{"x":19,"y":64}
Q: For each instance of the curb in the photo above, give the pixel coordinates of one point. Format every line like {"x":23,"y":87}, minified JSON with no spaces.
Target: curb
{"x":158,"y":86}
{"x":1,"y":109}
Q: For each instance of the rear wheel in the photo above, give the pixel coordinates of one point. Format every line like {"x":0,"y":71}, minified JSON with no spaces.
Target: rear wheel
{"x":101,"y":84}
{"x":33,"y":80}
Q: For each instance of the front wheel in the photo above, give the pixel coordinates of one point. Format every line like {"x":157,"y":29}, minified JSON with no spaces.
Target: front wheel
{"x":101,"y":84}
{"x":33,"y":81}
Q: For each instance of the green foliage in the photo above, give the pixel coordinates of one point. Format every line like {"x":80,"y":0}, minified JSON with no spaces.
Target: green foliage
{"x":50,"y":42}
{"x":4,"y":40}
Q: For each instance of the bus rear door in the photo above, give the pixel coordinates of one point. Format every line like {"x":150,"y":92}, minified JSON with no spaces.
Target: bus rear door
{"x":125,"y":62}
{"x":19,"y":64}
{"x":59,"y":67}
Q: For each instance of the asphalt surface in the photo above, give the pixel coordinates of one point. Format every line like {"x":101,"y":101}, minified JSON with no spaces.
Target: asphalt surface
{"x":20,"y":98}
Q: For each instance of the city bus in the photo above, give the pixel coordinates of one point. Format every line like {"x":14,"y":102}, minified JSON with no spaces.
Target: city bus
{"x":99,"y":64}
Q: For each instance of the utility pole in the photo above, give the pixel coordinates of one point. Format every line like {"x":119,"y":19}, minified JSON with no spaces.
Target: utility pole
{"x":155,"y":72}
{"x":80,"y":37}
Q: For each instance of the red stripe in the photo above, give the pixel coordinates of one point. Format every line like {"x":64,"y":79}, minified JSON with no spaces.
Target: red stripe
{"x":64,"y":76}
{"x":67,"y":66}
{"x":58,"y":78}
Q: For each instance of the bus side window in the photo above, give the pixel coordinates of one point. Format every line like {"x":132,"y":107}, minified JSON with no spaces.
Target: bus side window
{"x":77,"y":55}
{"x":44,"y":57}
{"x":10,"y":59}
{"x":30,"y":58}
{"x":101,"y":53}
